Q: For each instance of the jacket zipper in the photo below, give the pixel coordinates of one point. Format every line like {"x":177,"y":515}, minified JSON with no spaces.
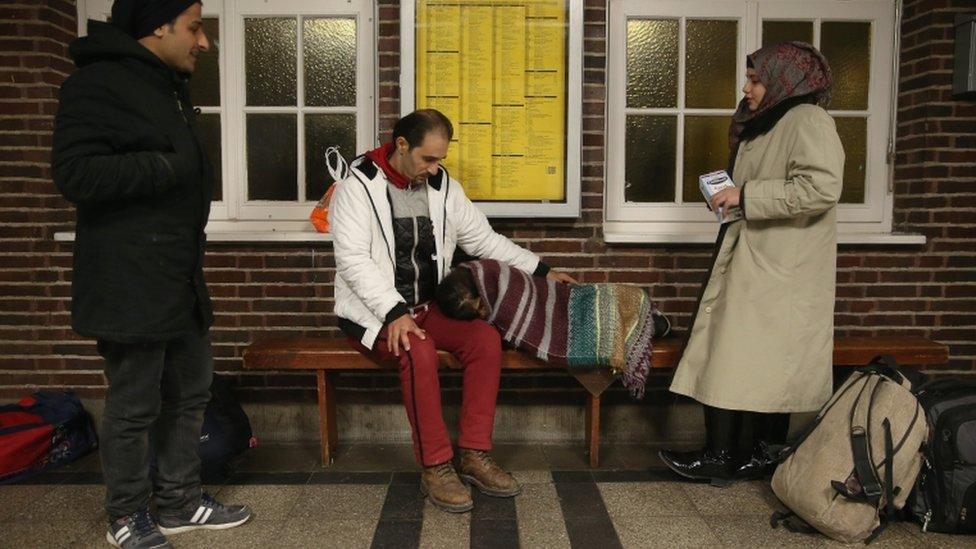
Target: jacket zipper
{"x":413,"y":261}
{"x":179,"y":106}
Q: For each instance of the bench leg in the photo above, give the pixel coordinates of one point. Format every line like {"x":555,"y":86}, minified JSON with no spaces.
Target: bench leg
{"x":327,"y":417}
{"x":593,"y":428}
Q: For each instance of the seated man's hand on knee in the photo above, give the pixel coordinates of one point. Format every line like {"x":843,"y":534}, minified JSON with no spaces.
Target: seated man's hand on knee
{"x":398,"y":334}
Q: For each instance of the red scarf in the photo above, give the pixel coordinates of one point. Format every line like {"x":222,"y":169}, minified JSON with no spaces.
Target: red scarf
{"x":381,"y":157}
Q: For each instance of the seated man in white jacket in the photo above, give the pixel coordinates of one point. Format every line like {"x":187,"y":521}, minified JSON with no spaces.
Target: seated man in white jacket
{"x":396,"y":221}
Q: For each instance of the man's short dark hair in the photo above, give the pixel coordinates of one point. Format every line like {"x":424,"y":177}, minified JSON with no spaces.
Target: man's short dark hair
{"x":416,"y":125}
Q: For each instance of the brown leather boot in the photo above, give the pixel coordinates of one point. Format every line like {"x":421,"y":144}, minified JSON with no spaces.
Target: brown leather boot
{"x":445,"y":490}
{"x":478,"y":468}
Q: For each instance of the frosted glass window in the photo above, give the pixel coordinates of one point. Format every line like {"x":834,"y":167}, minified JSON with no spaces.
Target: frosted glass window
{"x":321,"y":132}
{"x":853,"y":135}
{"x":847,"y":47}
{"x":775,"y":32}
{"x":650,"y":164}
{"x":208,"y":132}
{"x":272,"y":166}
{"x":710,"y":63}
{"x":330,"y":62}
{"x":706,"y":149}
{"x":652,"y":63}
{"x":205,"y":82}
{"x":270,"y":60}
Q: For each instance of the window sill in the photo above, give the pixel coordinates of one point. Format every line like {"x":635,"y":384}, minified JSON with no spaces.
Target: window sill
{"x":628,"y":237}
{"x":241,"y":236}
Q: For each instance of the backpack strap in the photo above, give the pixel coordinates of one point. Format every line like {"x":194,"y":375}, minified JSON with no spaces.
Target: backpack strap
{"x":888,"y":513}
{"x":791,"y":522}
{"x":789,"y":450}
{"x":863,"y":466}
{"x":863,"y":484}
{"x":887,"y":366}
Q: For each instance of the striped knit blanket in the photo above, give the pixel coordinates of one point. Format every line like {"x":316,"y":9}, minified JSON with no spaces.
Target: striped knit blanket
{"x":584,"y":326}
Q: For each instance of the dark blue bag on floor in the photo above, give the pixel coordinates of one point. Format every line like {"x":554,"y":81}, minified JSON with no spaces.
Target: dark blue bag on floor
{"x":41,"y":432}
{"x":226,"y":432}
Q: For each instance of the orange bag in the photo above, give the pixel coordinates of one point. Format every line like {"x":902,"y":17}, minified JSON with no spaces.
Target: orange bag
{"x":320,"y":213}
{"x":338,"y":169}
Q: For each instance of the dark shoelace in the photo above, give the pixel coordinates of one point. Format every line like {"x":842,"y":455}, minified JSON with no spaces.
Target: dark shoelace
{"x":142,"y":523}
{"x":485,"y":458}
{"x":444,"y":470}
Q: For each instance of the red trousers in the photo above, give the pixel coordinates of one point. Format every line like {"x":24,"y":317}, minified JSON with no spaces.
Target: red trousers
{"x":477,"y":346}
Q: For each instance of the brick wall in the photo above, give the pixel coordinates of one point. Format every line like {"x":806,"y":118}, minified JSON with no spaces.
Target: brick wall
{"x":287,"y":289}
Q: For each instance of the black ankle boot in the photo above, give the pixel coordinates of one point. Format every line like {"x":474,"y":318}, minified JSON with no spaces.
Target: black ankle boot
{"x":760,"y":464}
{"x":715,"y":466}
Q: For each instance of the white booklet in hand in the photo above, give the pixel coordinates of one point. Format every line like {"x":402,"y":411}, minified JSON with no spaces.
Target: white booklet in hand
{"x":710,"y":185}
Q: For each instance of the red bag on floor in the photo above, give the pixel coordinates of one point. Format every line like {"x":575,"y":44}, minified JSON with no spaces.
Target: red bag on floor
{"x":42,"y":431}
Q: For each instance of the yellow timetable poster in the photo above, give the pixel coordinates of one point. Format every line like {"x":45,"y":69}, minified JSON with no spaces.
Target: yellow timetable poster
{"x":497,"y":69}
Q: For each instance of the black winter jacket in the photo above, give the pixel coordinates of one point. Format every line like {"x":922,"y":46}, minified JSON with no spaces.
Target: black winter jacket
{"x":125,"y":153}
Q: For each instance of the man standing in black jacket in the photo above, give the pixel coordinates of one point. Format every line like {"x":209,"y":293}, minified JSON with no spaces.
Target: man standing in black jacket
{"x":126,"y":154}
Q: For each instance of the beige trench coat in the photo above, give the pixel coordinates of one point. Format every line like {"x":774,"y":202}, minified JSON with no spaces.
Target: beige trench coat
{"x":762,"y":339}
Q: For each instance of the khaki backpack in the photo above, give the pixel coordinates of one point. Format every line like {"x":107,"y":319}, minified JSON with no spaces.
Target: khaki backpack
{"x":858,"y":461}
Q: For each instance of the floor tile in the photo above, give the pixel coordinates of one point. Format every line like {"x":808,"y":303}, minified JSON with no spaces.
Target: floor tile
{"x":741,"y":498}
{"x":267,"y":502}
{"x":257,"y":533}
{"x":375,"y":457}
{"x":586,"y":532}
{"x":621,"y":456}
{"x":77,"y":502}
{"x":754,"y":531}
{"x":396,"y":534}
{"x":520,"y":457}
{"x":47,"y":533}
{"x":683,"y":531}
{"x":639,"y":456}
{"x":532,"y":477}
{"x":566,"y":458}
{"x":542,"y":532}
{"x":442,"y":530}
{"x":15,"y":499}
{"x":89,"y":463}
{"x":494,"y":534}
{"x":335,"y":502}
{"x":580,"y":500}
{"x":539,"y":502}
{"x":645,"y":499}
{"x":326,"y":534}
{"x":281,"y":458}
{"x":403,"y":502}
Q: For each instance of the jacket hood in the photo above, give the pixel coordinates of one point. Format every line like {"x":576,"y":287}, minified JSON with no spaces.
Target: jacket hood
{"x":108,"y":42}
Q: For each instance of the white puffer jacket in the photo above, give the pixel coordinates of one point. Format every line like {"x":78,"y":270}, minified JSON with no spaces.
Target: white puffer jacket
{"x":361,"y":223}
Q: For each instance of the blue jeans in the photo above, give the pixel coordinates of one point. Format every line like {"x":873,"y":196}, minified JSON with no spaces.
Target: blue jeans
{"x":155,"y":389}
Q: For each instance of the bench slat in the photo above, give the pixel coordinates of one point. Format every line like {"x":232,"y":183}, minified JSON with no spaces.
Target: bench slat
{"x":331,"y":353}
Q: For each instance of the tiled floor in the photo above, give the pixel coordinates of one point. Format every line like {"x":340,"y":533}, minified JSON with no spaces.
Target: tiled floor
{"x":370,"y":498}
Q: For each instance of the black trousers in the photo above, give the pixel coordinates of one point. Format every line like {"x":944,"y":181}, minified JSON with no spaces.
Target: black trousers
{"x":724,"y":428}
{"x":160,"y":389}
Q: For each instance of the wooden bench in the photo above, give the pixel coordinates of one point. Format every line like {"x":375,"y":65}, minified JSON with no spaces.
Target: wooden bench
{"x":329,"y":356}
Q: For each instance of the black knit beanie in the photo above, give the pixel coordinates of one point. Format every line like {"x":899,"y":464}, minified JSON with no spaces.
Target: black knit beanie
{"x":139,"y":18}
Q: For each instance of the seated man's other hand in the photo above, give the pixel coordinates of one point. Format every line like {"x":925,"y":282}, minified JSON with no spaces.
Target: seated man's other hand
{"x":561,"y":277}
{"x":398,"y":331}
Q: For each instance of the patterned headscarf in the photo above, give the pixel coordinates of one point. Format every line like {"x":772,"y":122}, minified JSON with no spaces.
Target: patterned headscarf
{"x":787,"y":70}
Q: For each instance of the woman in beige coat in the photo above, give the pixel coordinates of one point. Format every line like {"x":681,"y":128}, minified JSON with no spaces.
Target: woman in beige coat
{"x":761,"y":342}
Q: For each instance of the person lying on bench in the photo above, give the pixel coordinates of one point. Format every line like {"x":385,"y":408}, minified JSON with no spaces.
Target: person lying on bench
{"x":395,"y":223}
{"x":584,"y":325}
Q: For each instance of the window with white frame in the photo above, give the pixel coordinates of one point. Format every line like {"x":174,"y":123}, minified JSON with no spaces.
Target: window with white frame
{"x":674,"y":77}
{"x":282,"y":82}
